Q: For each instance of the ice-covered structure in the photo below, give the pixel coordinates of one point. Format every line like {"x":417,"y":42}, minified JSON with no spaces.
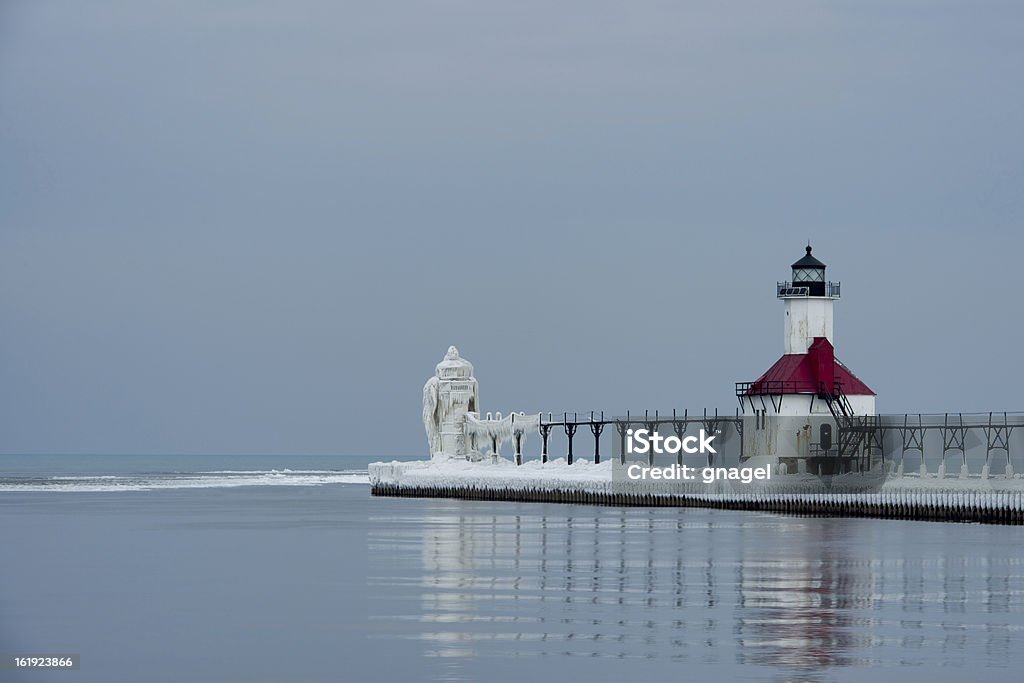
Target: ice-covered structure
{"x":451,"y":415}
{"x":447,"y":397}
{"x":490,"y":433}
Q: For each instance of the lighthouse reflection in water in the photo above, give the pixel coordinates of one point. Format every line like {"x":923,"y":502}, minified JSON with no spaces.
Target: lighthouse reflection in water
{"x":478,"y":585}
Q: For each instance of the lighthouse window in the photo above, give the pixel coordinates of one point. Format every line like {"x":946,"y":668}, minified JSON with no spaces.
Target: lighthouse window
{"x":808,"y":275}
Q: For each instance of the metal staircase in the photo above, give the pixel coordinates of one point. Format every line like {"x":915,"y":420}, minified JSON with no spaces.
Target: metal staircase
{"x":855,"y":431}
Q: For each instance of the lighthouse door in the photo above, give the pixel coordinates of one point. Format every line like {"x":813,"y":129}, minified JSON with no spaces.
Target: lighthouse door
{"x":825,"y":436}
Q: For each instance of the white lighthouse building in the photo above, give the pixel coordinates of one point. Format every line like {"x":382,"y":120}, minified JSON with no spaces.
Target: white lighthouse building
{"x":808,"y":410}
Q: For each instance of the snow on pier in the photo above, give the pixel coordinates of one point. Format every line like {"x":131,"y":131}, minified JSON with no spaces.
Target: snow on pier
{"x":997,"y":499}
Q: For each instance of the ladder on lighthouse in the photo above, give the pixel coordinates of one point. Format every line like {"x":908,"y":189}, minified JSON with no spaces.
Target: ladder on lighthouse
{"x":854,"y":430}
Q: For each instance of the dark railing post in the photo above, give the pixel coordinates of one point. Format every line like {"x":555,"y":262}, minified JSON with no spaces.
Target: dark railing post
{"x":596,"y":428}
{"x":622,"y":427}
{"x":680,"y":428}
{"x":570,"y":431}
{"x":545,"y":432}
{"x":739,"y":431}
{"x":710,"y":427}
{"x":652,"y":427}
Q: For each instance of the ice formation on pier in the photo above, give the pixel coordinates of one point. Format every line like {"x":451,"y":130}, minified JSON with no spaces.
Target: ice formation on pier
{"x":451,"y":405}
{"x":447,"y":397}
{"x":492,"y":432}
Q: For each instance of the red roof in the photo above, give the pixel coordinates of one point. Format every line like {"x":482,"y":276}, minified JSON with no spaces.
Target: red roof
{"x":817,"y":371}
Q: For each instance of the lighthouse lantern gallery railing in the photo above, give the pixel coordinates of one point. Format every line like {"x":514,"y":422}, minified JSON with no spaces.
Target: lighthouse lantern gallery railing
{"x":785,"y":290}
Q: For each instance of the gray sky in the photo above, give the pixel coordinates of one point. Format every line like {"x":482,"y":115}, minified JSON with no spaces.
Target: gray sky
{"x":254,"y":227}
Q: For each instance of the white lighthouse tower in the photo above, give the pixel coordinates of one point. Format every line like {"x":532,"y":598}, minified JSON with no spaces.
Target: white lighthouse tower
{"x":808,"y":410}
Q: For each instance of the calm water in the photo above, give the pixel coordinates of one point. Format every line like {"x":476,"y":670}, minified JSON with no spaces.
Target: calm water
{"x":282,"y":579}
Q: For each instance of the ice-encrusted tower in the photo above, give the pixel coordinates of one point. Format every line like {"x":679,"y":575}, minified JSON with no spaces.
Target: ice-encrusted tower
{"x":447,"y":397}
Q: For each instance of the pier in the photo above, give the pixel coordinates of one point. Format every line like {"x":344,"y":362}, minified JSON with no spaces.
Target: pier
{"x":961,"y":467}
{"x":942,"y":506}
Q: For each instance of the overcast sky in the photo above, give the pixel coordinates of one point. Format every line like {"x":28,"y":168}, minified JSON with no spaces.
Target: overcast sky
{"x":255,"y":227}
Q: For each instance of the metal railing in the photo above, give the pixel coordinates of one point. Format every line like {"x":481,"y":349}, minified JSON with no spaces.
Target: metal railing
{"x":776,"y":387}
{"x":789,"y":289}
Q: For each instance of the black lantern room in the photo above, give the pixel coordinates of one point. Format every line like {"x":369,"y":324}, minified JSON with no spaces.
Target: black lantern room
{"x":809,"y":272}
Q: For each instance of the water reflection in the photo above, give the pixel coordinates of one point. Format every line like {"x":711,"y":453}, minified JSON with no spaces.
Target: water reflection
{"x":798,"y":595}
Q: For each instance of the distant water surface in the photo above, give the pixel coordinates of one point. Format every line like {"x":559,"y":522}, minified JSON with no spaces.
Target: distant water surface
{"x":97,"y":473}
{"x":319,"y":581}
